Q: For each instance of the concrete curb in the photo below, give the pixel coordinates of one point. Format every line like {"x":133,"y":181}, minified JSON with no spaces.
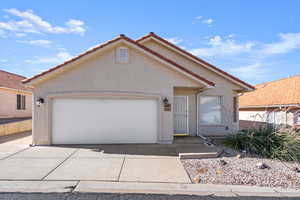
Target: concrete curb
{"x":143,"y":188}
{"x":198,"y":155}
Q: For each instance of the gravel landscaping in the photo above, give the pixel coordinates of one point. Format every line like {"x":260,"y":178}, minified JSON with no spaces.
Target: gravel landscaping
{"x":243,"y":171}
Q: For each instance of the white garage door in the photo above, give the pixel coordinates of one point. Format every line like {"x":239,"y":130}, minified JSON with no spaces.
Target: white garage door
{"x":100,"y":121}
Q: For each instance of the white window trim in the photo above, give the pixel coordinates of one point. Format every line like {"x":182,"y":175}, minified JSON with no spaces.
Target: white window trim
{"x":296,"y":118}
{"x":199,"y":108}
{"x":117,"y":59}
{"x":22,"y":102}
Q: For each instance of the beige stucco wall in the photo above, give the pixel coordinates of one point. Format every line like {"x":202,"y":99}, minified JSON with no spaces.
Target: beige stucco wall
{"x":8,"y":105}
{"x":100,"y":75}
{"x":223,"y":87}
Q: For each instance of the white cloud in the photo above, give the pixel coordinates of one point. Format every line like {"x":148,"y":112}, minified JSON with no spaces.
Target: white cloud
{"x":208,"y":21}
{"x":3,"y":60}
{"x":203,"y":20}
{"x":228,"y":46}
{"x":175,"y":40}
{"x":220,"y":47}
{"x":32,"y":23}
{"x":43,"y":43}
{"x":231,"y":35}
{"x":255,"y":71}
{"x":252,"y":58}
{"x":61,"y":49}
{"x":215,"y":41}
{"x":20,"y":34}
{"x":56,"y":59}
{"x":287,"y":43}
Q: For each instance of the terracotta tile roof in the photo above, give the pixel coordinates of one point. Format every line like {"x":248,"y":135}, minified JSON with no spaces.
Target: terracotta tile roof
{"x":13,"y":81}
{"x":151,"y":34}
{"x":131,"y":41}
{"x":279,"y":92}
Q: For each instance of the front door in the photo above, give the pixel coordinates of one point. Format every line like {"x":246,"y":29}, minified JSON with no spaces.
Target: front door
{"x":180,"y":115}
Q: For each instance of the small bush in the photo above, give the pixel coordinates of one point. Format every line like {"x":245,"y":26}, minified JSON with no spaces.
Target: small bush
{"x":266,"y":142}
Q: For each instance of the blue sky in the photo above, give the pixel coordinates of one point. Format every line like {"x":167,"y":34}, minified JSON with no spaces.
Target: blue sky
{"x":256,"y":41}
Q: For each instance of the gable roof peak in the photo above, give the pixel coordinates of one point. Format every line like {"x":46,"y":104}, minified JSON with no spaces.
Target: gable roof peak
{"x":209,"y":66}
{"x":135,"y":44}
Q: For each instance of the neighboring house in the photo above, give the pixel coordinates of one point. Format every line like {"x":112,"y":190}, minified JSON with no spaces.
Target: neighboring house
{"x":133,"y":91}
{"x":15,"y":98}
{"x":276,"y":102}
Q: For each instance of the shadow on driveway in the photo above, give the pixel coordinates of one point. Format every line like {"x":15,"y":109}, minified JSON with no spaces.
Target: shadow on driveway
{"x":190,"y":145}
{"x":12,"y":137}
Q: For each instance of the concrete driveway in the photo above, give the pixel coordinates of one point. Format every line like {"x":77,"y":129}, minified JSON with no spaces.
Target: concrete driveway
{"x":117,"y":163}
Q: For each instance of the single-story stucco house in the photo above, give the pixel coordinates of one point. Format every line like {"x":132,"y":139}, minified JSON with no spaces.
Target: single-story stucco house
{"x":133,"y":91}
{"x":15,"y":98}
{"x":276,"y":102}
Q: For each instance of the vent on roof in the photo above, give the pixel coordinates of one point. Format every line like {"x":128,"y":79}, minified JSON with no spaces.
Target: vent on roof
{"x":122,"y":55}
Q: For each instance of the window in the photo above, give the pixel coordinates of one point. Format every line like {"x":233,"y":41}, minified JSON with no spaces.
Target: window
{"x":234,"y":109}
{"x":297,"y":118}
{"x":122,"y":55}
{"x":21,"y":102}
{"x":210,"y":110}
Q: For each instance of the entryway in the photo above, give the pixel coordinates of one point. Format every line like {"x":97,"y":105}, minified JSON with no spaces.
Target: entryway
{"x":180,"y":117}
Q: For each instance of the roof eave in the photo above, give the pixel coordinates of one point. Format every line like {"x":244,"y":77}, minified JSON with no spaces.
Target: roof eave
{"x":271,"y":106}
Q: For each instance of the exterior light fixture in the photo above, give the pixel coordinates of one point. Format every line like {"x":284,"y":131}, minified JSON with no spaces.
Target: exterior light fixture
{"x":165,"y":101}
{"x":39,"y":101}
{"x":167,"y":105}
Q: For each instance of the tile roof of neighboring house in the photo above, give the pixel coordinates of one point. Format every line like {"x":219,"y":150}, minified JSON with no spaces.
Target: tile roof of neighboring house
{"x":151,"y":34}
{"x":12,"y":81}
{"x":131,"y":41}
{"x":275,"y":93}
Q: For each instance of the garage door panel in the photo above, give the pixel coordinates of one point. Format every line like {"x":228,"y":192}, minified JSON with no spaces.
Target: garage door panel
{"x":99,"y":121}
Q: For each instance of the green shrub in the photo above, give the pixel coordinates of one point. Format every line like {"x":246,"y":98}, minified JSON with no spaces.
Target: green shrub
{"x":266,"y":142}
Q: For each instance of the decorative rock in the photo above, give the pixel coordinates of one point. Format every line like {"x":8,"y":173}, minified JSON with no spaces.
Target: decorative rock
{"x":196,"y":179}
{"x":296,"y":169}
{"x":208,"y":143}
{"x":202,"y":170}
{"x":239,"y":156}
{"x":245,"y":172}
{"x":223,"y":162}
{"x":218,"y":172}
{"x":262,"y":165}
{"x":290,"y":177}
